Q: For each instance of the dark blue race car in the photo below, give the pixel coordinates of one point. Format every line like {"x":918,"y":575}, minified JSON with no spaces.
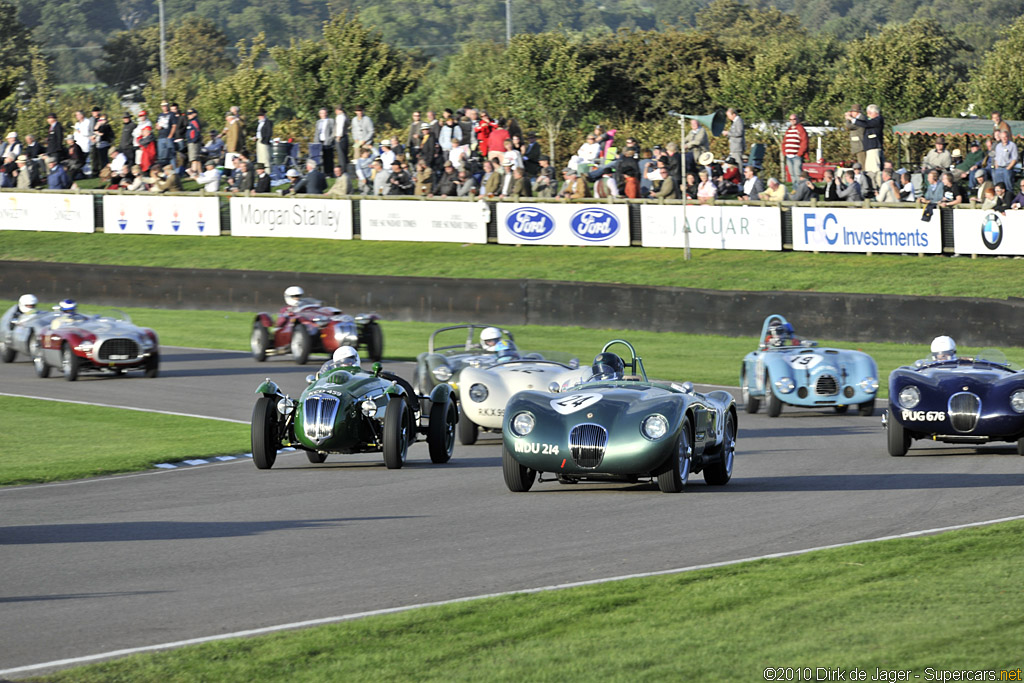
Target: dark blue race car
{"x":958,"y":400}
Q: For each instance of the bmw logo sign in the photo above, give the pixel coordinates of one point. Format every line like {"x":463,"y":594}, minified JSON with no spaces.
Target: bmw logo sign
{"x":594,"y":224}
{"x":530,"y":223}
{"x":992,"y":230}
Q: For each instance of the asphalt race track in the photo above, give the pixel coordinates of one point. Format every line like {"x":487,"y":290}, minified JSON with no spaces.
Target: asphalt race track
{"x":137,"y":560}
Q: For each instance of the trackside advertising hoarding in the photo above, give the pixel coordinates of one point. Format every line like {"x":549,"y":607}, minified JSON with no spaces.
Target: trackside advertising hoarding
{"x":423,"y":221}
{"x":988,"y":232}
{"x":712,"y":227}
{"x":161,"y":215}
{"x":565,"y":224}
{"x":291,"y":217}
{"x":897,"y":231}
{"x":48,"y":212}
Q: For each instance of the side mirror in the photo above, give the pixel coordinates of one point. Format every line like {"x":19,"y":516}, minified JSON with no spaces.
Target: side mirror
{"x":310,"y":379}
{"x":377,"y":367}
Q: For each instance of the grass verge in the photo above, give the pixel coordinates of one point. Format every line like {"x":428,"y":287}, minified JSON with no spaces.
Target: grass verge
{"x":86,"y":441}
{"x":950,"y":602}
{"x":704,"y":359}
{"x":709,"y":269}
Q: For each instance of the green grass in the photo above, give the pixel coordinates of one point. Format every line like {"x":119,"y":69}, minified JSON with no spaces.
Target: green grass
{"x":709,"y":269}
{"x":669,"y":355}
{"x":949,"y":602}
{"x":86,"y":441}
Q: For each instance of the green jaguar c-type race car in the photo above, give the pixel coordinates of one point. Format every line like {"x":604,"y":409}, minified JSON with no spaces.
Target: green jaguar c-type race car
{"x":348,"y":410}
{"x":620,"y":427}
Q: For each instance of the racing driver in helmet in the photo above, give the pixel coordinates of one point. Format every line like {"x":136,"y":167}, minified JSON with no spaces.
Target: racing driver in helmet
{"x":489,"y":339}
{"x":608,"y":366}
{"x":943,"y":348}
{"x":26,"y":306}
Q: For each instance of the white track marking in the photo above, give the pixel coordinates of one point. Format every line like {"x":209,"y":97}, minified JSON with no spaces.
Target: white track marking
{"x":140,"y":410}
{"x":73,"y":661}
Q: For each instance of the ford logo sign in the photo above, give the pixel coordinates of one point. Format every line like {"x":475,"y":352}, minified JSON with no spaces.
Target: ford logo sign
{"x":530,"y":223}
{"x":594,"y":224}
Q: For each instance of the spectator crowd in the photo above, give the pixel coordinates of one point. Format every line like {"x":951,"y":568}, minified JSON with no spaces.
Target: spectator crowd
{"x":467,"y":153}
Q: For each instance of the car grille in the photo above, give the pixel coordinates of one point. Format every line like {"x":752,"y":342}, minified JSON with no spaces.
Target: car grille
{"x":826,"y":386}
{"x":964,"y":411}
{"x":117,"y":349}
{"x":319,"y":411}
{"x":587,"y":443}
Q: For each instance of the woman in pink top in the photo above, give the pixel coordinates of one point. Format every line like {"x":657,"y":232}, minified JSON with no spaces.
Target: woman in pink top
{"x":706,"y":190}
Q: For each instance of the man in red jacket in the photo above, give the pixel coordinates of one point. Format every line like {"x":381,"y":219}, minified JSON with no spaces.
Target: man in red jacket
{"x":794,"y":147}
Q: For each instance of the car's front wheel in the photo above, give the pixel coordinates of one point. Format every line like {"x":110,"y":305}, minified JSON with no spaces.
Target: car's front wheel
{"x":38,"y":361}
{"x":774,"y":404}
{"x":867,"y":408}
{"x":468,"y":430}
{"x":69,"y":362}
{"x":7,"y":354}
{"x":374,"y":341}
{"x":518,"y":478}
{"x":719,"y":472}
{"x":265,"y":440}
{"x":259,"y":341}
{"x":153,"y":366}
{"x":301,"y":344}
{"x":897,"y":438}
{"x":677,"y":473}
{"x":441,"y":437}
{"x":751,"y":404}
{"x":1020,"y":446}
{"x":315,"y":457}
{"x":396,"y":433}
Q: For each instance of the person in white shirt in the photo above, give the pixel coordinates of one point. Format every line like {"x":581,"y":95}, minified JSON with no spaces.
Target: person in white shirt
{"x":387,"y":157}
{"x":511,"y":157}
{"x":458,"y":154}
{"x":587,"y":153}
{"x":210,"y":178}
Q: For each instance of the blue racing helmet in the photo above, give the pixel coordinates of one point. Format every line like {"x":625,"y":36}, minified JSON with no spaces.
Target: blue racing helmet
{"x":67,"y":306}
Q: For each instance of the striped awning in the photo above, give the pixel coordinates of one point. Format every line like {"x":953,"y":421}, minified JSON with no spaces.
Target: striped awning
{"x":934,"y":125}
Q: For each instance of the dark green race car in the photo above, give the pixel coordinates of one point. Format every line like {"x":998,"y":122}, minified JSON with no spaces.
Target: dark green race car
{"x":348,"y":410}
{"x":619,"y":427}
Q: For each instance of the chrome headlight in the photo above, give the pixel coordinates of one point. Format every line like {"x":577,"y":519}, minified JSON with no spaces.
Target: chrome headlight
{"x":85,"y":346}
{"x":443,"y":373}
{"x":1017,"y":400}
{"x":910,"y":396}
{"x":522,"y":424}
{"x":368,"y":407}
{"x":285,"y":406}
{"x":654,"y":427}
{"x":785,"y":385}
{"x":478,"y":392}
{"x":147,"y":343}
{"x":868,"y":385}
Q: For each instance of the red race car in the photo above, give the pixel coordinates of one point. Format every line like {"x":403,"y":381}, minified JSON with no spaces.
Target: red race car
{"x":307,"y":326}
{"x":78,"y":343}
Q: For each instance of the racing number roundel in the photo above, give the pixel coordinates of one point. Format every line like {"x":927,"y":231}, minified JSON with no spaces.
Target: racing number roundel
{"x":566,"y":405}
{"x":992,"y":230}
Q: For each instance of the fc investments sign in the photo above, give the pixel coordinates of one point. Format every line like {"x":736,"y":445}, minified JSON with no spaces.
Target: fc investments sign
{"x":565,"y":224}
{"x":865,"y":230}
{"x":712,"y":227}
{"x":291,"y":217}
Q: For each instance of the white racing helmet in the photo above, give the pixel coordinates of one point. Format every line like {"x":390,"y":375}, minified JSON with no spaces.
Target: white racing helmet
{"x":27,"y":303}
{"x":346,"y":356}
{"x":489,"y":338}
{"x":293,"y":294}
{"x":943,"y":348}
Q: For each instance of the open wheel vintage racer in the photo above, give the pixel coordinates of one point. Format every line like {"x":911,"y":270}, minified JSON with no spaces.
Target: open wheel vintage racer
{"x":787,"y":370}
{"x":619,"y":427}
{"x":956,"y":400}
{"x":111,"y":344}
{"x":311,"y":327}
{"x":348,"y":410}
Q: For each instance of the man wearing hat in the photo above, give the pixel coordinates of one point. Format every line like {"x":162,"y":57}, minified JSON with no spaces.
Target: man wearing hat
{"x":126,"y":145}
{"x":264,"y":134}
{"x":23,"y":181}
{"x":209,"y":180}
{"x":166,"y":122}
{"x":262,"y":183}
{"x":856,"y":132}
{"x":102,"y":138}
{"x":362,"y":128}
{"x":232,"y":138}
{"x":938,"y":158}
{"x":54,"y":137}
{"x":193,"y":138}
{"x":11,"y":145}
{"x":966,"y":165}
{"x":696,"y":143}
{"x":399,"y":182}
{"x":865,"y":181}
{"x":531,"y":155}
{"x":386,"y":155}
{"x":574,"y":187}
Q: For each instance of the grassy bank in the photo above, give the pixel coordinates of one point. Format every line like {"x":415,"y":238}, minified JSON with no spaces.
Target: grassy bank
{"x":944,"y":603}
{"x":697,"y":358}
{"x":46,"y":441}
{"x":709,"y":269}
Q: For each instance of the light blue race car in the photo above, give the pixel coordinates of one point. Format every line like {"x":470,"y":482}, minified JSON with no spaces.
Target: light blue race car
{"x":785,"y":369}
